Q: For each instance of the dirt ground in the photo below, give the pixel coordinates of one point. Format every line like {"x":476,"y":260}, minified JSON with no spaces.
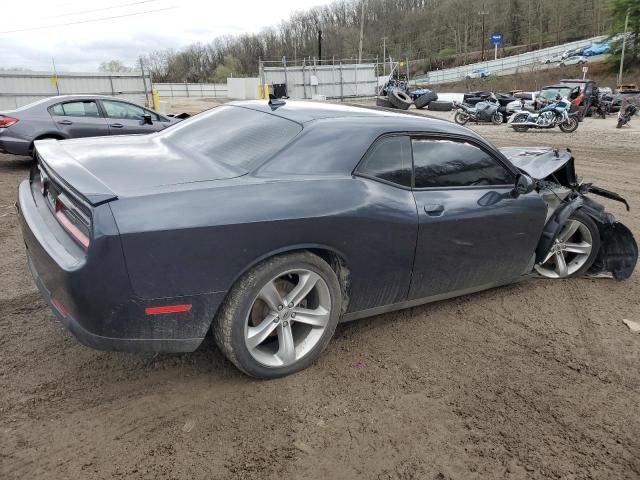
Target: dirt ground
{"x":536,"y":380}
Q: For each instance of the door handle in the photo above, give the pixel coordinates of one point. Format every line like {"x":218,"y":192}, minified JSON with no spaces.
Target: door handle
{"x":65,"y":122}
{"x":116,"y":125}
{"x":434,"y":210}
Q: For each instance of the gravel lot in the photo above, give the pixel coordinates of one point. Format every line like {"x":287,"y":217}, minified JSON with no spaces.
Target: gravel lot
{"x":537,"y":380}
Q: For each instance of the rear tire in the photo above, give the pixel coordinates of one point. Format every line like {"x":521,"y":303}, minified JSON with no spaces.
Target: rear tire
{"x":461,"y":118}
{"x":399,"y":99}
{"x":496,"y":118}
{"x":259,"y":331}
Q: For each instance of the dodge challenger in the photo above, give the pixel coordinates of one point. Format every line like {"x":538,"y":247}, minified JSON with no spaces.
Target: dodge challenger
{"x":267,"y":223}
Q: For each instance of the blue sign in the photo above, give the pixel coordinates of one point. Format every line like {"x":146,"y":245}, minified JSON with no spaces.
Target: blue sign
{"x":496,"y":38}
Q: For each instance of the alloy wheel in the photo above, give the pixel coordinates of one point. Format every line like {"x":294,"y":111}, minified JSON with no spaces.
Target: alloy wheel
{"x":288,"y":318}
{"x":569,"y":252}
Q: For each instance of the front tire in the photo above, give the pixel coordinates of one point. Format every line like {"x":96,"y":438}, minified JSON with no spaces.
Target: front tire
{"x":279,"y":317}
{"x":569,"y":125}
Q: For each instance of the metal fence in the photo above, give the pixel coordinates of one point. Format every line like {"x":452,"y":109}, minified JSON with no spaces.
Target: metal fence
{"x":21,"y":88}
{"x":214,"y":90}
{"x":332,"y":80}
{"x":507,"y":65}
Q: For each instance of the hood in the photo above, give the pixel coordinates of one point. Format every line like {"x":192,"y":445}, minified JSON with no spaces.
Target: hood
{"x":129,"y":164}
{"x":537,"y":162}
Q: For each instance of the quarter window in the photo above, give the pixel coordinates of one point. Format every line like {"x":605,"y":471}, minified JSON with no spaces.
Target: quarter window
{"x":389,"y":159}
{"x":86,"y":108}
{"x":446,"y":163}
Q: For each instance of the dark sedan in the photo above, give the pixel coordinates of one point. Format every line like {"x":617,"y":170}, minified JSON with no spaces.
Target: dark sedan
{"x":268,"y":223}
{"x":75,"y":116}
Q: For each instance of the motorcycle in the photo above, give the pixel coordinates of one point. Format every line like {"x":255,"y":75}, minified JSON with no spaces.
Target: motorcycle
{"x":484,"y":111}
{"x":553,"y":115}
{"x":625,"y":114}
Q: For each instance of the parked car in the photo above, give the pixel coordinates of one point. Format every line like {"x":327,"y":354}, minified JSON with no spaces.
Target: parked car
{"x":75,"y":116}
{"x":572,"y":52}
{"x":549,"y":93}
{"x":478,"y":73}
{"x":588,"y":89}
{"x":577,"y":60}
{"x":552,"y":59}
{"x":523,"y":101}
{"x":598,"y":49}
{"x":270,"y":222}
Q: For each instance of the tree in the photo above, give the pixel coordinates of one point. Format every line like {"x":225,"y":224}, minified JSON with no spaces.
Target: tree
{"x":114,"y":66}
{"x":619,"y":11}
{"x":229,"y":67}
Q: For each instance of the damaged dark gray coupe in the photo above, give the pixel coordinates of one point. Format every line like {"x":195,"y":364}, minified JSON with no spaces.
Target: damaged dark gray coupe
{"x":268,"y":223}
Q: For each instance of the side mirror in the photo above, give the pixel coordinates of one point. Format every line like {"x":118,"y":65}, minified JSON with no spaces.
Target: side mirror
{"x":146,"y":119}
{"x":524,"y":185}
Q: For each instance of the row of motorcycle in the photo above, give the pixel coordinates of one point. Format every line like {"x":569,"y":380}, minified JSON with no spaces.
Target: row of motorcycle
{"x":495,"y":108}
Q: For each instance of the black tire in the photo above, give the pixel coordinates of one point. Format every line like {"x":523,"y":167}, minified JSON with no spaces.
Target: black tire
{"x":424,"y":100}
{"x":461,"y":118}
{"x":572,"y":127}
{"x":229,"y":324}
{"x":400,"y":100}
{"x":621,"y":122}
{"x":384,"y":102}
{"x":440,"y":106}
{"x":496,"y":118}
{"x":587,"y":221}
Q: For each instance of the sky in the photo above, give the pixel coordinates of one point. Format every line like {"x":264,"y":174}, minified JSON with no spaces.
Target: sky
{"x":80,"y":34}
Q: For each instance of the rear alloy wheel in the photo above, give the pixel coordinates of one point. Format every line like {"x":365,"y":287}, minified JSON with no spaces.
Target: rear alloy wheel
{"x":280,"y":316}
{"x":575,"y":249}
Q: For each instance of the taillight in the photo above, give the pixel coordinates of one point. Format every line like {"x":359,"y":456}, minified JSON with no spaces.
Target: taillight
{"x":7,"y":121}
{"x":77,"y":227}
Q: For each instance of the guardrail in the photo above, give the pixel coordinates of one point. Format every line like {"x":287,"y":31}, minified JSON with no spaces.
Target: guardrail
{"x":506,"y":65}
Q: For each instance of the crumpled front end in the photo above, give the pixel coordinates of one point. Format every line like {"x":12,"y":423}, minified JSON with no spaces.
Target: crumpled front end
{"x":560,"y":187}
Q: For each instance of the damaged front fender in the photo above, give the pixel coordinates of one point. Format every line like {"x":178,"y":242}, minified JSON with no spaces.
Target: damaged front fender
{"x":618,"y":252}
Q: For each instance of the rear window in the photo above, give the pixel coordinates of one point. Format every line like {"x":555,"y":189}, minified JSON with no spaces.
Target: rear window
{"x":235,"y":136}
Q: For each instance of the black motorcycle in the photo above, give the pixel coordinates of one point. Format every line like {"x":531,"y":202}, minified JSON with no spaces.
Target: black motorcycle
{"x":625,"y":114}
{"x":483,"y":112}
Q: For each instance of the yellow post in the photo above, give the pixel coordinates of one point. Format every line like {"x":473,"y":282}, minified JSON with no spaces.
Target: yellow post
{"x":260,"y":92}
{"x":266,"y":90}
{"x":155,"y":97}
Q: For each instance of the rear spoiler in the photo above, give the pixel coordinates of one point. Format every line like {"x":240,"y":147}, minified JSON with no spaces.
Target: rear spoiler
{"x":71,"y":174}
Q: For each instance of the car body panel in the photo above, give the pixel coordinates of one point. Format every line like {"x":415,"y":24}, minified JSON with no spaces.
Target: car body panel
{"x":37,"y":120}
{"x":188,"y":228}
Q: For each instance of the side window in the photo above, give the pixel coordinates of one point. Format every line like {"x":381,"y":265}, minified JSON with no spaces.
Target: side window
{"x":389,"y":159}
{"x":86,"y":108}
{"x":446,"y":163}
{"x":126,"y":111}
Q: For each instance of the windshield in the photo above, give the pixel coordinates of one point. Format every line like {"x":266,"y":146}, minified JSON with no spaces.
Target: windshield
{"x":550,"y":93}
{"x":235,"y":136}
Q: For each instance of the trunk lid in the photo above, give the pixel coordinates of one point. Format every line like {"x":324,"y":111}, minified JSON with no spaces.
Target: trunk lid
{"x":101,"y":169}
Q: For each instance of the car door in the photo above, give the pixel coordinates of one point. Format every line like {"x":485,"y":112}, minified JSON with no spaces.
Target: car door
{"x":126,"y":118}
{"x":79,"y":118}
{"x":472,"y":232}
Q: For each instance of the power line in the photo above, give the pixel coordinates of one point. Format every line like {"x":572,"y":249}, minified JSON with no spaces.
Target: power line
{"x":122,"y":5}
{"x":31,"y":29}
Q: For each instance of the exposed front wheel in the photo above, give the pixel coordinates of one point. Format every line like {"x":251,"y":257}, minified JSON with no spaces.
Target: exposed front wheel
{"x":461,"y":118}
{"x":574,"y":250}
{"x":280,"y":315}
{"x":569,"y":125}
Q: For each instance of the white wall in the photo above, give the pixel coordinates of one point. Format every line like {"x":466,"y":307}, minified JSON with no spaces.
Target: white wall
{"x":243,"y":88}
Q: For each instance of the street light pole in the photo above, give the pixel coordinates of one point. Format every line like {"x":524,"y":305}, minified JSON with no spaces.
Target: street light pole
{"x":361,"y":32}
{"x":624,"y":43}
{"x":384,"y":56}
{"x":482,"y":14}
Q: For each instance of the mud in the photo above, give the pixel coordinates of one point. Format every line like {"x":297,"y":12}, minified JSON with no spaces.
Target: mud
{"x":536,"y":380}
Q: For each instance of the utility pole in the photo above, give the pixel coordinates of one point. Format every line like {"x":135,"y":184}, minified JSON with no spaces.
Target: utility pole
{"x":624,"y":44}
{"x":482,"y":14}
{"x":144,"y":82}
{"x":384,"y":55}
{"x":320,"y":45}
{"x":55,"y":74}
{"x":361,"y":32}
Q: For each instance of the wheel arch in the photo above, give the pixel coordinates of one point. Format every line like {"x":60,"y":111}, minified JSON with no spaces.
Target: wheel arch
{"x":336,"y":259}
{"x":42,"y":136}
